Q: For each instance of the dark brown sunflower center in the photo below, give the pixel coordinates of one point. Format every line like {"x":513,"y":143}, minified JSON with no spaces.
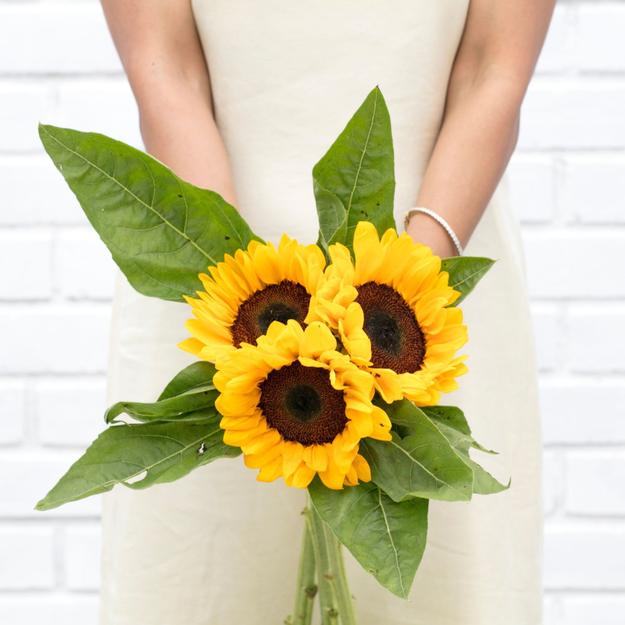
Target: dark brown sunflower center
{"x":276,"y":302}
{"x":302,"y":405}
{"x":397,"y":341}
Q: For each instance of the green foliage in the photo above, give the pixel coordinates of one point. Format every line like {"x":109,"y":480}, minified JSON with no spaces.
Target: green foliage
{"x":452,"y":423}
{"x":190,"y":397}
{"x":160,"y":230}
{"x":355,"y":181}
{"x":423,"y":464}
{"x":465,"y":272}
{"x":138,"y":456}
{"x":386,"y":537}
{"x":195,"y":376}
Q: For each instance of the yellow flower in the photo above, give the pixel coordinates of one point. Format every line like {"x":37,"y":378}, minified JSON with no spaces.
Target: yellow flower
{"x":297,"y":407}
{"x":247,"y":291}
{"x":395,"y":294}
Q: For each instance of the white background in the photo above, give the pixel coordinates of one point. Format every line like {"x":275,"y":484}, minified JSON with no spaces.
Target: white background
{"x":568,"y":184}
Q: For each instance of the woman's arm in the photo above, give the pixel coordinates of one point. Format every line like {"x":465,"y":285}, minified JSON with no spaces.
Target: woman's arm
{"x":493,"y":67}
{"x":162,"y":55}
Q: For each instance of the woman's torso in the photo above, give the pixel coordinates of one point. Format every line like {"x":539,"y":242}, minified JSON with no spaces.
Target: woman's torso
{"x":287,"y":75}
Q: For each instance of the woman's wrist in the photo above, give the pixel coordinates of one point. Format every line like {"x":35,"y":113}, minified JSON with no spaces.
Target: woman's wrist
{"x":423,"y":229}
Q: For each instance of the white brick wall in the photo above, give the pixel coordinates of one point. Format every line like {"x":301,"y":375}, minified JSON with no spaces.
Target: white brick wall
{"x":57,"y":64}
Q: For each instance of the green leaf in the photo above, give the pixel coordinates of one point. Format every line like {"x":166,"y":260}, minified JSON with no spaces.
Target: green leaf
{"x":419,"y":461}
{"x":354,"y":180}
{"x":197,"y":406}
{"x":387,"y":538}
{"x":453,"y":417}
{"x":161,"y":230}
{"x":423,"y":464}
{"x":465,"y":272}
{"x":138,"y":456}
{"x":452,"y":424}
{"x":196,"y":376}
{"x":190,"y":396}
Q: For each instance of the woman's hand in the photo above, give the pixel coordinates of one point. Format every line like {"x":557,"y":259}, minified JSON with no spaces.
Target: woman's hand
{"x":493,"y":67}
{"x":161,"y":52}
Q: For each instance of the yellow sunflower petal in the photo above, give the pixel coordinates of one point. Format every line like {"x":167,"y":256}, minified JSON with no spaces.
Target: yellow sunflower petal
{"x":302,"y":476}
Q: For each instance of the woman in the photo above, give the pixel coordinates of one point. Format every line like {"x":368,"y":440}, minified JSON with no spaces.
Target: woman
{"x":243,"y":97}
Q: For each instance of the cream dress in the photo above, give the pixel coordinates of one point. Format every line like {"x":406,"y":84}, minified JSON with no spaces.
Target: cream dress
{"x":219,"y":548}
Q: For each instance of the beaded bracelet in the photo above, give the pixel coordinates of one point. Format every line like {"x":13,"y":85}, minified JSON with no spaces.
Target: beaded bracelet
{"x":440,"y":220}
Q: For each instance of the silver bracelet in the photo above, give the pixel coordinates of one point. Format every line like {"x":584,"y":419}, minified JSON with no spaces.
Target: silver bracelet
{"x":440,"y":220}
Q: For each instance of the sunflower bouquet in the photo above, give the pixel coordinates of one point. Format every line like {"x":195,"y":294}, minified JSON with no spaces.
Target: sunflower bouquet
{"x":323,"y":364}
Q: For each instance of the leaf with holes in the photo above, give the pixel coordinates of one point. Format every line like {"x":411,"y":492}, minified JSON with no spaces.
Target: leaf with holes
{"x":355,"y":181}
{"x":387,"y":538}
{"x":138,"y":456}
{"x":160,"y":230}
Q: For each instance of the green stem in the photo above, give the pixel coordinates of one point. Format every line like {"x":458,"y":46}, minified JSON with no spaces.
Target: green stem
{"x":334,"y":597}
{"x":306,"y":586}
{"x":343,"y":594}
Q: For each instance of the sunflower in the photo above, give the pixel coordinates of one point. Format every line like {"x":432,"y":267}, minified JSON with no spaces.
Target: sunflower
{"x":247,"y":291}
{"x":297,"y":407}
{"x":395,"y":294}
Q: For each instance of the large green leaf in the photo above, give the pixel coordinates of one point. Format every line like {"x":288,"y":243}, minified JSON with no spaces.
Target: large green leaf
{"x":189,"y":396}
{"x":452,"y":424}
{"x":161,"y":230}
{"x":138,"y":456}
{"x":355,"y":181}
{"x":387,"y":538}
{"x":465,"y":272}
{"x":423,"y":464}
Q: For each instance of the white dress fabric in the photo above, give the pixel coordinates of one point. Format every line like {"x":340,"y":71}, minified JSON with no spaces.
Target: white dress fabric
{"x":218,"y":547}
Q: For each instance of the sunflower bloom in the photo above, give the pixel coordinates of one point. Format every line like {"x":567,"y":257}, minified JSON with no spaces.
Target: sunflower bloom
{"x":297,"y":407}
{"x":401,"y":302}
{"x":246,"y":292}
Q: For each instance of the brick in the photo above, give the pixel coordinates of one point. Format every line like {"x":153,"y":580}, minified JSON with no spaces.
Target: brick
{"x":602,"y":609}
{"x":11,"y":413}
{"x":23,"y":106}
{"x":54,"y":340}
{"x":553,"y":482}
{"x":574,"y":264}
{"x":34,"y":193}
{"x":107,"y":107}
{"x":593,"y":188}
{"x":595,"y":340}
{"x":83,"y":266}
{"x":532,"y":188}
{"x":573,"y":114}
{"x":552,"y":610}
{"x":584,"y":558}
{"x":26,"y":558}
{"x":28,"y":609}
{"x":27,"y":476}
{"x":581,"y":412}
{"x":595,"y":483}
{"x":557,"y":53}
{"x":82,"y":558}
{"x":547,"y":329}
{"x":69,"y":413}
{"x":600,"y":42}
{"x":25,"y":257}
{"x":63,"y":38}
